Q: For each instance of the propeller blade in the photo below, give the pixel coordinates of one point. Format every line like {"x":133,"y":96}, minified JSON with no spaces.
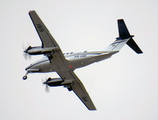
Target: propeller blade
{"x":25,"y":47}
{"x":27,"y":56}
{"x":47,"y":88}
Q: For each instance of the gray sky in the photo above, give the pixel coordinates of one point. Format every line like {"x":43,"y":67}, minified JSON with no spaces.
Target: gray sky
{"x":124,"y":87}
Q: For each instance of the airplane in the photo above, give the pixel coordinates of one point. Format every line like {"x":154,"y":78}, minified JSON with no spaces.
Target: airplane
{"x":64,"y":64}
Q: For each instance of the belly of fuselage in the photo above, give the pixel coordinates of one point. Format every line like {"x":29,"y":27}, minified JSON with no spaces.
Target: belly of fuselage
{"x":46,"y":66}
{"x":77,"y":63}
{"x":81,"y":62}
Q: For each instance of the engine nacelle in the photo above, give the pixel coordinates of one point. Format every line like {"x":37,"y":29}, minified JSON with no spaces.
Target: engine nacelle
{"x":59,"y":82}
{"x":39,"y":50}
{"x":54,"y":82}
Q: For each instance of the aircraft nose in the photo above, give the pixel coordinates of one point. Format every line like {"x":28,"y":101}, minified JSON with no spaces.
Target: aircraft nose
{"x":32,"y":68}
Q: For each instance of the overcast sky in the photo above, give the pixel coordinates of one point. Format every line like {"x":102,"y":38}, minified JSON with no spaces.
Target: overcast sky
{"x":124,"y":87}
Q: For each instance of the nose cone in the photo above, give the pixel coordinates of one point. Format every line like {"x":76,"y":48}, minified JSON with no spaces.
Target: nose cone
{"x":28,"y":67}
{"x":45,"y":82}
{"x":25,"y":51}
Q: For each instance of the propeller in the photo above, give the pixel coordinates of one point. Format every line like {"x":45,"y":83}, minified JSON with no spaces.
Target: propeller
{"x":47,"y":87}
{"x":26,"y":47}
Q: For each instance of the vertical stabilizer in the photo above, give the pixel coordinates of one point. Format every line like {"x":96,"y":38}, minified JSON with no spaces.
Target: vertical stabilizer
{"x":123,"y":31}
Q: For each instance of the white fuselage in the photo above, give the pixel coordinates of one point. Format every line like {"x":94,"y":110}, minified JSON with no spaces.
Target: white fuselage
{"x":74,"y":60}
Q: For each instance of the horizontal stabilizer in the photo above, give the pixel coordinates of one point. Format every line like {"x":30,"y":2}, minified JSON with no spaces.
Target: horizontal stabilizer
{"x":131,"y":43}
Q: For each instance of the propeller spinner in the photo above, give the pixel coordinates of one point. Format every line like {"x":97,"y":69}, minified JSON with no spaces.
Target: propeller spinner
{"x":26,"y":54}
{"x":46,"y":83}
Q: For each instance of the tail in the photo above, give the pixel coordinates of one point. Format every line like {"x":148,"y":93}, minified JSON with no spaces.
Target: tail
{"x":124,"y":38}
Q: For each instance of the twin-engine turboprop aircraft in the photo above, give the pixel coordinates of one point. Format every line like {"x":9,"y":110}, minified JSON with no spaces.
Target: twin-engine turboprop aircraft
{"x":65,"y":64}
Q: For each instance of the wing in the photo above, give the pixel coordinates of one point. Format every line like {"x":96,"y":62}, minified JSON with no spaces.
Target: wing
{"x":69,"y":77}
{"x":45,"y":36}
{"x":78,"y":88}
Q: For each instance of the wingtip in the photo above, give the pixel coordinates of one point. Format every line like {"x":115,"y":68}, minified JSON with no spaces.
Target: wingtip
{"x":119,"y":19}
{"x":31,"y":11}
{"x":93,"y":109}
{"x":140,"y":52}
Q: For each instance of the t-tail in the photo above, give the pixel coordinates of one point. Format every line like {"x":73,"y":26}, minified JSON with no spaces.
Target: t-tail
{"x":124,"y":38}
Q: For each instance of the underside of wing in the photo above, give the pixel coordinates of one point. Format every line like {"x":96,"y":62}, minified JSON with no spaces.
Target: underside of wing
{"x":81,"y":92}
{"x":46,"y":38}
{"x":72,"y":82}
